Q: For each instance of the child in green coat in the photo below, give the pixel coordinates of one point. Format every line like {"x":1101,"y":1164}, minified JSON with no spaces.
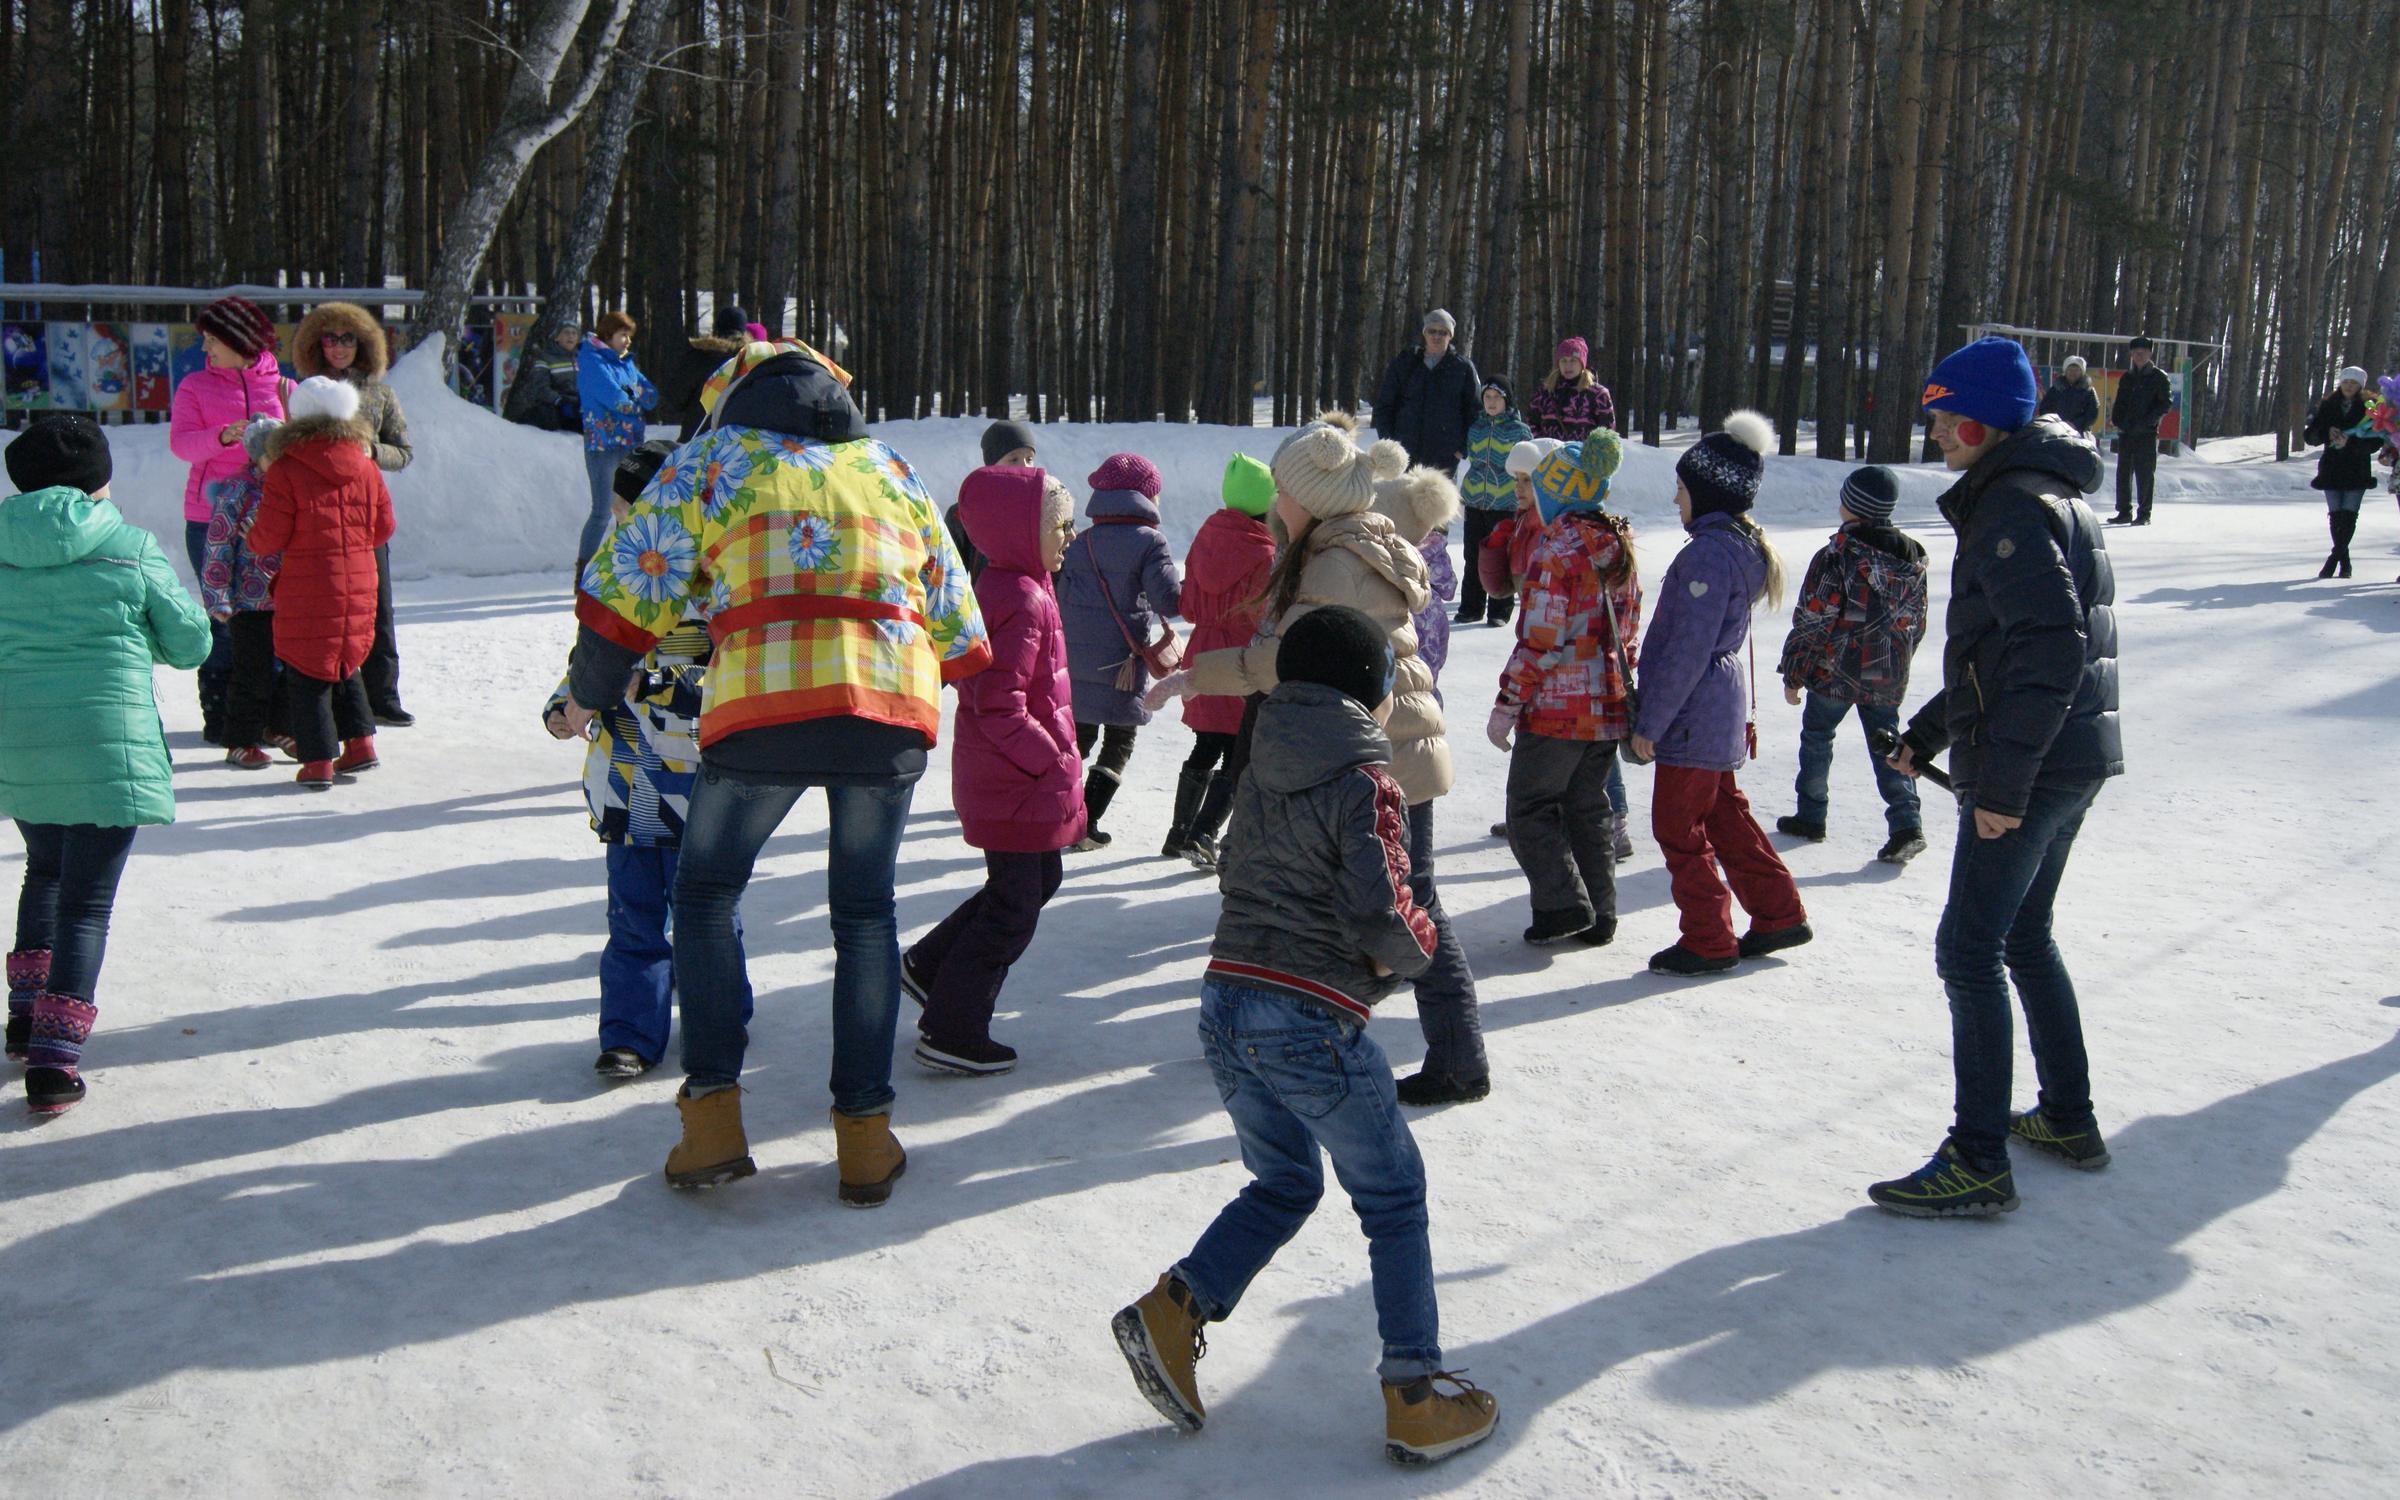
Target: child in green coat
{"x":91,"y":605}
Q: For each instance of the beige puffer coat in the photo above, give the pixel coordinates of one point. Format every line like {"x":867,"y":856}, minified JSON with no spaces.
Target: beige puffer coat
{"x":1362,"y":561}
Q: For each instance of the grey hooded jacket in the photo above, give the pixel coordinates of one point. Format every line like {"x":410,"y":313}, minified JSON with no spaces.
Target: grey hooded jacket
{"x":1314,"y":869}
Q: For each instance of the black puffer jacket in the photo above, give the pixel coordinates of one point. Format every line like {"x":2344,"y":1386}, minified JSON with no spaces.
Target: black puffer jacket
{"x":2144,"y":397}
{"x":1314,"y":869}
{"x":2029,"y":669}
{"x":2352,"y":465}
{"x":2078,"y":403}
{"x":1426,"y":411}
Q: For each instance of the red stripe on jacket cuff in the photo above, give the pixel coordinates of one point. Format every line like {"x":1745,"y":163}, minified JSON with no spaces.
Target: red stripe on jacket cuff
{"x":977,"y":658}
{"x":611,"y":626}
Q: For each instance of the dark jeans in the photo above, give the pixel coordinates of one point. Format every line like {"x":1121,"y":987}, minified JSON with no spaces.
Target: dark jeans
{"x":728,"y":823}
{"x":1295,"y":1079}
{"x":966,"y":959}
{"x":1996,"y":928}
{"x":324,"y":714}
{"x":71,"y":874}
{"x":600,"y":472}
{"x":2137,"y":460}
{"x":637,"y":968}
{"x":1480,"y":524}
{"x":1820,"y":716}
{"x":1561,"y":825}
{"x":250,"y":695}
{"x":219,"y":666}
{"x":381,"y":674}
{"x":1209,"y":752}
{"x":1446,"y":990}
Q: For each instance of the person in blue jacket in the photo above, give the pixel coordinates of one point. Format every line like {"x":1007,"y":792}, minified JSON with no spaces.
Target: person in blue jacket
{"x":615,"y":395}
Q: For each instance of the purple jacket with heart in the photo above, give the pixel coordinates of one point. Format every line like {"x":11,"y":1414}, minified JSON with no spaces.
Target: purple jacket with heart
{"x":1694,"y":679}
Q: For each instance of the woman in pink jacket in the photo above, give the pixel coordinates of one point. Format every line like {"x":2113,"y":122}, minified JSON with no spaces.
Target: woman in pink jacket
{"x":1016,"y":777}
{"x":239,"y":383}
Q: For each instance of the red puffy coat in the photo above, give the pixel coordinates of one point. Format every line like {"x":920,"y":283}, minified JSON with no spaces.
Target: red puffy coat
{"x":326,"y":510}
{"x":1015,"y":777}
{"x":1223,"y":576}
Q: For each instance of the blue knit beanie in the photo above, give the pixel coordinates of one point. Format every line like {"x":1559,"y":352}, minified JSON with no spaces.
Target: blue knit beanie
{"x":1989,"y":381}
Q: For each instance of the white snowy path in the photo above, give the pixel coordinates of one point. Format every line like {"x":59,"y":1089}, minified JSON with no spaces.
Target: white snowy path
{"x":347,"y":1215}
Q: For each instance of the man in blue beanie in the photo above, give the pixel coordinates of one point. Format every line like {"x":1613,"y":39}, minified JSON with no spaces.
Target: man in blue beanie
{"x":2028,"y":714}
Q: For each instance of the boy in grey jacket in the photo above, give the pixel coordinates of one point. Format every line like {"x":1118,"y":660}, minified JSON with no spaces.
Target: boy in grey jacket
{"x":1317,"y":926}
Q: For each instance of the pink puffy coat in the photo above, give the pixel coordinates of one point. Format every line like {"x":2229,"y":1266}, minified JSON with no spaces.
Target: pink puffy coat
{"x":1223,"y":575}
{"x":1014,"y":775}
{"x":208,"y":399}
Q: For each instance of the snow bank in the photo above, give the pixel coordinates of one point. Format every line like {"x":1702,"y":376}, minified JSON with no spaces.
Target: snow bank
{"x":488,"y":497}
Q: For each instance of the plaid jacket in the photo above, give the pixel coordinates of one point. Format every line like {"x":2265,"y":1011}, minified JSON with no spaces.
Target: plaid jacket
{"x":645,"y":748}
{"x":1564,"y":672}
{"x":830,"y":583}
{"x":1860,"y":616}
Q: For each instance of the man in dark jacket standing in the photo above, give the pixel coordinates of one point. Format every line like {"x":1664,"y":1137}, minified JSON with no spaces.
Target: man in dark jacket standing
{"x":2143,"y":400}
{"x":2071,"y":396}
{"x":1430,"y":396}
{"x":688,"y":369}
{"x":2028,"y":712}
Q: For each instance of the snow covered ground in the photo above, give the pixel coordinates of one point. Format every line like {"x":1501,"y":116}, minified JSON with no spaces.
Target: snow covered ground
{"x":346,"y":1213}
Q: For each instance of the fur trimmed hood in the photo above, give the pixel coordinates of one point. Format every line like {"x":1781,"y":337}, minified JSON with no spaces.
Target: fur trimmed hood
{"x":374,"y":351}
{"x":1418,"y":503}
{"x":313,"y":429}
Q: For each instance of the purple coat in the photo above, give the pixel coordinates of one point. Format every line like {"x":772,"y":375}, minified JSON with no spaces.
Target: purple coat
{"x":1433,"y":621}
{"x":1125,"y":554}
{"x":1694,"y":679}
{"x":1014,"y":775}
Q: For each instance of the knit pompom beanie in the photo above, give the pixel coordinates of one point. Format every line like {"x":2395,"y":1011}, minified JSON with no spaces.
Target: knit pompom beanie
{"x":1575,"y":476}
{"x":1325,"y":472}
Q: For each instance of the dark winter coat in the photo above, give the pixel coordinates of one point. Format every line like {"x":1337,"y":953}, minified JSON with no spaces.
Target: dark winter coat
{"x":2079,"y":404}
{"x":544,"y":395}
{"x":326,"y":510}
{"x":1426,"y":411}
{"x":2143,"y":400}
{"x":688,"y":370}
{"x":1122,"y":558}
{"x":1860,"y":617}
{"x":2029,"y":665}
{"x":1314,"y":870}
{"x":2352,"y":465}
{"x":1569,"y":413}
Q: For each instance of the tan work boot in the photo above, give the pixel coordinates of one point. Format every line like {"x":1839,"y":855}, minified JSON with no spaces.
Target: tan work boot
{"x":713,"y":1148}
{"x":1162,"y":1341}
{"x":871,"y":1160}
{"x":1422,"y":1425}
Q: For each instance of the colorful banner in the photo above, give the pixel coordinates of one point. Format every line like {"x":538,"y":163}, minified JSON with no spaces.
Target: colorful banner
{"x":123,"y":368}
{"x":508,"y":349}
{"x":108,"y":368}
{"x":25,"y":357}
{"x":153,"y":366}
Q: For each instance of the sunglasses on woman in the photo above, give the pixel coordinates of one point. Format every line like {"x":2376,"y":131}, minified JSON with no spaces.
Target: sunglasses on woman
{"x":339,"y":341}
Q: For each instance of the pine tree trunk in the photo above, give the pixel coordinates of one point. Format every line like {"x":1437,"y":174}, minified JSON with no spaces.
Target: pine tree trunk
{"x":1133,"y":307}
{"x":1895,"y":410}
{"x":1833,"y":345}
{"x":563,"y":294}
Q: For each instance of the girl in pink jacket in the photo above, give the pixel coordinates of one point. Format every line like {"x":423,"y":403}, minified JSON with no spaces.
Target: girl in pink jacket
{"x":1016,"y":777}
{"x":239,"y":383}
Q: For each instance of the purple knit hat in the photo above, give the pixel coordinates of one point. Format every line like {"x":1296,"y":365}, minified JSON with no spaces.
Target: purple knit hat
{"x":240,"y":323}
{"x":1127,"y":471}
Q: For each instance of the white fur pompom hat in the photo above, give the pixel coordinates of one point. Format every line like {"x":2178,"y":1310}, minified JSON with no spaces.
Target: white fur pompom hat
{"x":1527,"y":456}
{"x":1322,"y":469}
{"x":1418,"y":503}
{"x":324,"y":396}
{"x":1724,"y":469}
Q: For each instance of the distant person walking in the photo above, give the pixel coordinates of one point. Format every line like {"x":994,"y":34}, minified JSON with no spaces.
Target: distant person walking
{"x":2143,"y":400}
{"x":2346,"y":469}
{"x":1430,"y":397}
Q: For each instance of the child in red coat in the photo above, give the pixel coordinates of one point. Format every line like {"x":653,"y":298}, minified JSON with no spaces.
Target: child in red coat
{"x":1016,"y":777}
{"x":326,"y":510}
{"x":1224,"y":584}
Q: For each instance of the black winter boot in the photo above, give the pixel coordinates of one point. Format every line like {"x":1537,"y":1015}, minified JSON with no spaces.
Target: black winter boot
{"x":1497,"y":611}
{"x":1190,"y":787}
{"x":1200,"y":847}
{"x":1099,"y":789}
{"x":2345,"y":526}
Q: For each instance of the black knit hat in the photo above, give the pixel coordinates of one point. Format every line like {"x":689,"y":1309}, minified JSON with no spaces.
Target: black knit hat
{"x":729,"y":322}
{"x":1724,"y":469}
{"x":240,"y":323}
{"x":1872,"y":494}
{"x":1003,"y":438}
{"x":1339,"y":648}
{"x":62,"y":448}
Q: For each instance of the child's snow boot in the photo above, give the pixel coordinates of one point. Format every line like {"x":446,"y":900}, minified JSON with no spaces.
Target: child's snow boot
{"x":1620,"y":838}
{"x":1497,"y":610}
{"x":871,"y":1160}
{"x":28,"y":974}
{"x":1163,"y":1340}
{"x":1425,"y":1089}
{"x":248,"y":758}
{"x":1190,"y":787}
{"x":1422,"y":1425}
{"x":713,"y":1149}
{"x":1682,"y":963}
{"x":315,"y":776}
{"x":976,"y":1057}
{"x":1099,"y":790}
{"x":1200,"y":847}
{"x":1757,"y":944}
{"x":60,"y":1025}
{"x":357,"y":755}
{"x":1557,"y":926}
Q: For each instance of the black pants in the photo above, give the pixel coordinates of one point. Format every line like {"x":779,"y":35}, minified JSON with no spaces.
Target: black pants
{"x":2137,"y":459}
{"x":1116,"y":748}
{"x":71,"y":874}
{"x":967,"y":958}
{"x":250,"y":695}
{"x":381,"y":674}
{"x":219,"y":666}
{"x":1209,"y":751}
{"x":1472,"y":603}
{"x":324,"y":714}
{"x":1561,"y":825}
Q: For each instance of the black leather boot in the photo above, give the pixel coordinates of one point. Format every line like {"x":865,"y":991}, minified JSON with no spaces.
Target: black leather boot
{"x":1190,"y":787}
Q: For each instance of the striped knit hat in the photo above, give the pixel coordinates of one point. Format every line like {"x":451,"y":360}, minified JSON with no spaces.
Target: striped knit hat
{"x":240,"y":324}
{"x":1871,"y":494}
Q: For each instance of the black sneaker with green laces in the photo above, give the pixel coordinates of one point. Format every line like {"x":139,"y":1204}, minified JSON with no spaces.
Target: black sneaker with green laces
{"x":2082,"y":1149}
{"x":1948,"y":1187}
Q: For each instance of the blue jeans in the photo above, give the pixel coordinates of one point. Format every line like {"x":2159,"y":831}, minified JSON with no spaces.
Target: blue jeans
{"x":728,"y":823}
{"x":1295,"y":1079}
{"x":1996,"y":928}
{"x":1616,"y":785}
{"x":2349,"y":500}
{"x":1818,"y":720}
{"x":637,"y":968}
{"x":70,"y":891}
{"x":600,"y":466}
